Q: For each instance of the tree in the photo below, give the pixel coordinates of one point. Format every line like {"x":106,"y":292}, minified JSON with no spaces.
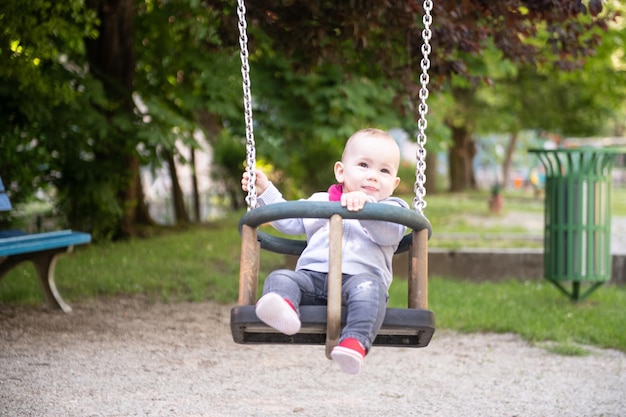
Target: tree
{"x":111,"y":58}
{"x":321,"y":69}
{"x":387,"y":39}
{"x":40,"y":44}
{"x":583,"y":102}
{"x":194,"y":85}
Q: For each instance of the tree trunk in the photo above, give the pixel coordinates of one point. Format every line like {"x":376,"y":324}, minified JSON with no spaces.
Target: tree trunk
{"x":112,"y":60}
{"x":180,"y":212}
{"x":460,"y":160}
{"x":508,"y":159}
{"x":194,"y":182}
{"x":142,"y":214}
{"x":210,"y":123}
{"x":136,"y":212}
{"x":112,"y":54}
{"x":127,"y":225}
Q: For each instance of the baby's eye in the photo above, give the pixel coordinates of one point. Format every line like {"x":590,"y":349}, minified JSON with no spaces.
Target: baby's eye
{"x":362,"y":164}
{"x":385,"y":171}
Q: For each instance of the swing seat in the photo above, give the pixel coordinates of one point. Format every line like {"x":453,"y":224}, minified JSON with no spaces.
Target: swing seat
{"x":401,"y":328}
{"x":409,"y":327}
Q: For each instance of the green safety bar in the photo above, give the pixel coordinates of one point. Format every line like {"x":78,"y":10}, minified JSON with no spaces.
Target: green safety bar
{"x":320,"y":210}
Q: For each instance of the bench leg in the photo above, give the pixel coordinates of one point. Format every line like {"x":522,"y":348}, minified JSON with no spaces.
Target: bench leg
{"x":45,"y":264}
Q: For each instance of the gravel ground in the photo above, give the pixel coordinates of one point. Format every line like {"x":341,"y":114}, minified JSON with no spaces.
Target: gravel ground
{"x":127,"y":357}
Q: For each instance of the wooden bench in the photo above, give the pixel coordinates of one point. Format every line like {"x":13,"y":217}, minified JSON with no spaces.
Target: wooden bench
{"x":42,"y":249}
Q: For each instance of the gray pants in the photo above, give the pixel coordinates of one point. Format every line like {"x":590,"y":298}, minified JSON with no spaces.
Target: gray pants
{"x":364,"y":296}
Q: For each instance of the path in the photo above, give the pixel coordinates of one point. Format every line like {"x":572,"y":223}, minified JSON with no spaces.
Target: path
{"x":126,"y":357}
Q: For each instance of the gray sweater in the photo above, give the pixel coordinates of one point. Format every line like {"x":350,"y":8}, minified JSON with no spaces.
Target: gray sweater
{"x":368,"y":245}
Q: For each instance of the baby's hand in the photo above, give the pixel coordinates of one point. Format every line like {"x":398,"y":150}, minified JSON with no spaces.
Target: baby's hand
{"x":261,"y":181}
{"x":355,"y":200}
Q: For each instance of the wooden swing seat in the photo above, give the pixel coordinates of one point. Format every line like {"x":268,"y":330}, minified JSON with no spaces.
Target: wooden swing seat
{"x":402,"y":327}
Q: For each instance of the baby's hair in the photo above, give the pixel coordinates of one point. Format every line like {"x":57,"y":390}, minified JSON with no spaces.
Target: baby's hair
{"x":363,"y":133}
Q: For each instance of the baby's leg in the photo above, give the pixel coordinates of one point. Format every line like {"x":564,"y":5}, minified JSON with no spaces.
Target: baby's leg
{"x":278,"y":307}
{"x":289,"y":284}
{"x":365,"y":297}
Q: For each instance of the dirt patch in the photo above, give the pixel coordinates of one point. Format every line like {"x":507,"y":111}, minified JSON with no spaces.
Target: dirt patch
{"x":127,"y":357}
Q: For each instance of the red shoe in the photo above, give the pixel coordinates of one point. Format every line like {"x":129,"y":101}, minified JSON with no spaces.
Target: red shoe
{"x":349,"y":355}
{"x":279,"y":313}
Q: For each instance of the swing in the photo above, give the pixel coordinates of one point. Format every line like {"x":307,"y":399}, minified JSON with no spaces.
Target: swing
{"x":402,"y":327}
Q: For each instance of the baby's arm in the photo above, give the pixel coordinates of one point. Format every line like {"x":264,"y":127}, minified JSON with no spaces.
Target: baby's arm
{"x":261,"y":181}
{"x":269,"y":194}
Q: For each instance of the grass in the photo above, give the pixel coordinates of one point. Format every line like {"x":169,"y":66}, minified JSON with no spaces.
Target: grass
{"x":464,"y":220}
{"x":193,"y":264}
{"x":533,"y":309}
{"x":202,"y":263}
{"x":567,"y":349}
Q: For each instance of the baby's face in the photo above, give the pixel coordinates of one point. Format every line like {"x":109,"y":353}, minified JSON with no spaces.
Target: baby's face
{"x":370,"y":164}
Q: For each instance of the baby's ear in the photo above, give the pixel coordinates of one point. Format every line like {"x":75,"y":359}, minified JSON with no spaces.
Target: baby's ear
{"x":339,"y":171}
{"x":396,"y":182}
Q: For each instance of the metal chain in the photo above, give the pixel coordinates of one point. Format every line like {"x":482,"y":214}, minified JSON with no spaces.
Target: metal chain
{"x":247,"y":104}
{"x":419,"y":202}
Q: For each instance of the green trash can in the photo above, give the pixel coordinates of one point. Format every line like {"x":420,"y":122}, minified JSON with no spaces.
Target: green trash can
{"x":577,"y":237}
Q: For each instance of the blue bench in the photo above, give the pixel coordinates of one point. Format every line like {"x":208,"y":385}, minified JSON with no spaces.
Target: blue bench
{"x":42,"y":249}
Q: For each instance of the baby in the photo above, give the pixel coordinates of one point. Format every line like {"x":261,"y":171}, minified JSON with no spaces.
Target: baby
{"x":366,"y":174}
